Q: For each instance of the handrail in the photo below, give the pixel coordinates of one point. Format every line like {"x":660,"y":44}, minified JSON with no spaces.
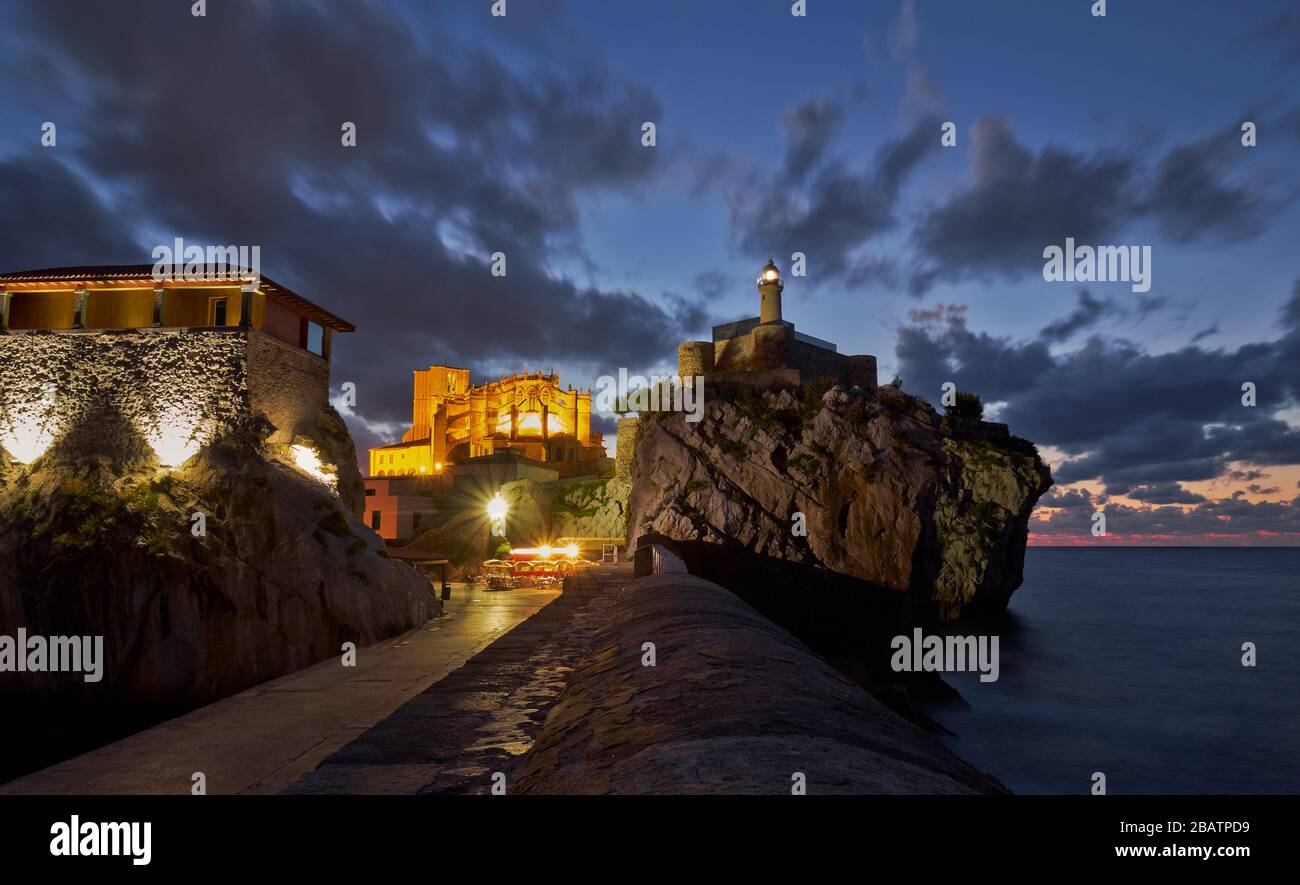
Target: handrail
{"x":665,"y":562}
{"x":655,"y":556}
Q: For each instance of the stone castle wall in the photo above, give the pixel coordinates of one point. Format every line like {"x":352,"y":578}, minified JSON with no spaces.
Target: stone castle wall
{"x":628,"y":428}
{"x":115,"y":394}
{"x":815,"y":362}
{"x":774,"y":352}
{"x":694,"y":358}
{"x":733,"y":354}
{"x":287,"y":385}
{"x":131,"y":395}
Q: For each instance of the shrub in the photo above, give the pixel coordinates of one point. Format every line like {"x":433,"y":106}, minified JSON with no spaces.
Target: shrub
{"x":967,"y":405}
{"x":811,"y":400}
{"x":336,"y":523}
{"x":1017,"y":445}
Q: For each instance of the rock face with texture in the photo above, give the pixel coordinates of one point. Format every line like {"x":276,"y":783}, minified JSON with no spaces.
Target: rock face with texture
{"x":594,"y":508}
{"x":282,"y":574}
{"x":734,"y":704}
{"x":890,"y":492}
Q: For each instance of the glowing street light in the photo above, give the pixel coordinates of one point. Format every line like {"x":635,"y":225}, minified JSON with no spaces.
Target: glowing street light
{"x":496,"y":511}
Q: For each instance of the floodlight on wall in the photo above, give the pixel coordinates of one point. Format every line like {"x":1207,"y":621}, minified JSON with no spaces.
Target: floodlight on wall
{"x":308,"y":461}
{"x":174,"y":439}
{"x":26,"y":438}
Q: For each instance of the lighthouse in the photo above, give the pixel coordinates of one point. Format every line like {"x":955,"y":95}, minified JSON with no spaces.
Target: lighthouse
{"x":769,"y":290}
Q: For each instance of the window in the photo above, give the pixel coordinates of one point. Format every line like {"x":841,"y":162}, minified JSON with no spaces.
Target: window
{"x":315,"y":338}
{"x":370,"y":493}
{"x":217,"y":311}
{"x":375,"y":519}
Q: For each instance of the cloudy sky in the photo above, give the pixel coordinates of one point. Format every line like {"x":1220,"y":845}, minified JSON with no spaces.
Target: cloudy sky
{"x":775,"y":134}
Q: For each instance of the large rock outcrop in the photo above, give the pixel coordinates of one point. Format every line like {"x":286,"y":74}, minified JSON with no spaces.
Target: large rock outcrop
{"x":280,"y":576}
{"x":888,"y":490}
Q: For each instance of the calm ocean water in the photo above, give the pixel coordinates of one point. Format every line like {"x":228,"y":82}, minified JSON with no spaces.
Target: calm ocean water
{"x":1128,"y":662}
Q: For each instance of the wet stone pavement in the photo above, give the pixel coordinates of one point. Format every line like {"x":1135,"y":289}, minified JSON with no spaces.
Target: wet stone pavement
{"x":480,"y":719}
{"x":262,"y":740}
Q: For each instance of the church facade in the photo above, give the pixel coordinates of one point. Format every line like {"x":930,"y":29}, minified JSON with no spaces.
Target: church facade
{"x":530,"y":415}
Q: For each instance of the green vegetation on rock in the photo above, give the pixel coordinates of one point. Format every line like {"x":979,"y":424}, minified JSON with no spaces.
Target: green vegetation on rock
{"x":82,"y":518}
{"x":967,"y":405}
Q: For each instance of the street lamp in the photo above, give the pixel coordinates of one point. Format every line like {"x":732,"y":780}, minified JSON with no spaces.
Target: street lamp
{"x":496,"y":512}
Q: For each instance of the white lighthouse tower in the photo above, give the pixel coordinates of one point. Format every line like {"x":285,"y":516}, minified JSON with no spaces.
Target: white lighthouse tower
{"x":769,"y":290}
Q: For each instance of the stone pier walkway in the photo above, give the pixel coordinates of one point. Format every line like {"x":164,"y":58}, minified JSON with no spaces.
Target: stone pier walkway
{"x":482,"y":718}
{"x":265,"y":738}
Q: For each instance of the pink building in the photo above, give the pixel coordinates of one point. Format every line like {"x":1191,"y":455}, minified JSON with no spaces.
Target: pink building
{"x":398,"y":507}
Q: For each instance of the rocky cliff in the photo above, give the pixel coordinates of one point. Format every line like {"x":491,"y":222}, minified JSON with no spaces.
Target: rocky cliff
{"x":274,"y":574}
{"x":877,"y":486}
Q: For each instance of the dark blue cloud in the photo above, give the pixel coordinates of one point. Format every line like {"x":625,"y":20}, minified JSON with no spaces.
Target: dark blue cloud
{"x":1132,"y":419}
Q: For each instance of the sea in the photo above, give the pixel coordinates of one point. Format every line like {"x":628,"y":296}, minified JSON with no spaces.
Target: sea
{"x":1129,"y":662}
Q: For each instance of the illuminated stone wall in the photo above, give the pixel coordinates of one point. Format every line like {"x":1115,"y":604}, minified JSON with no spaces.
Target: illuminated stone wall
{"x":733,"y":354}
{"x":694,"y":358}
{"x":772,"y":350}
{"x":628,"y":428}
{"x":129,"y":396}
{"x":287,"y":385}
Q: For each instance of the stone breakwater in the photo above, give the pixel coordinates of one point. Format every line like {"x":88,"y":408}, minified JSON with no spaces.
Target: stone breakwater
{"x":733,"y":704}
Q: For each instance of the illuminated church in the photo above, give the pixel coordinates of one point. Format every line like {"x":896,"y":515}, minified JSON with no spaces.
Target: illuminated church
{"x":528,"y":415}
